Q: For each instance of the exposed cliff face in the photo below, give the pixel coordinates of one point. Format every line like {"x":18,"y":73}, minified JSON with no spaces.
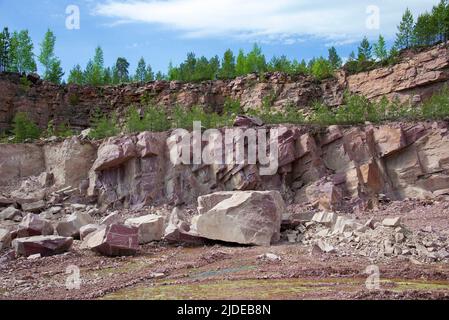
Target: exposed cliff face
{"x":415,"y":77}
{"x":335,"y":167}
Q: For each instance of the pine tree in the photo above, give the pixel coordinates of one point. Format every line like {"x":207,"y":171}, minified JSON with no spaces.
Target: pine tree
{"x":121,"y":67}
{"x":149,"y":74}
{"x":255,"y":61}
{"x":141,"y":71}
{"x":240,"y":68}
{"x":440,"y":14}
{"x":107,"y":76}
{"x":351,"y":56}
{"x":404,"y":37}
{"x":425,"y":30}
{"x":365,"y":50}
{"x":76,"y":75}
{"x":55,"y":73}
{"x":334,"y":59}
{"x":52,"y":65}
{"x":227,"y":70}
{"x":380,"y":49}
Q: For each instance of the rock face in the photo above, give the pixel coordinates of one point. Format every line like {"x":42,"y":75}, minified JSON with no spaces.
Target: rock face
{"x":114,"y":240}
{"x":415,"y":77}
{"x":150,"y":227}
{"x":250,"y":217}
{"x":43,"y":245}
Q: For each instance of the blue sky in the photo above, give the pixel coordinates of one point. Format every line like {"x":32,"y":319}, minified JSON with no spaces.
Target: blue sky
{"x":165,"y":30}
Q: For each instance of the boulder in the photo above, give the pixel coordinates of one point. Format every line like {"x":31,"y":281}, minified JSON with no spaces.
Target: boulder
{"x":88,"y":229}
{"x":5,"y":239}
{"x":150,"y":227}
{"x":43,"y":245}
{"x":11,"y":213}
{"x":392,"y":222}
{"x":114,"y":240}
{"x":244,"y":217}
{"x":33,"y":225}
{"x":72,"y":225}
{"x":112,"y":218}
{"x":34,"y":206}
{"x":178,"y":229}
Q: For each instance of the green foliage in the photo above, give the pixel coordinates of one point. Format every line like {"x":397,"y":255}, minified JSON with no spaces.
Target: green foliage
{"x":76,"y":75}
{"x":24,"y":129}
{"x":63,"y":130}
{"x":121,"y":73}
{"x":334,"y":59}
{"x":437,"y":107}
{"x":52,"y":65}
{"x":380,"y":49}
{"x":25,"y":84}
{"x":5,"y":45}
{"x":232,"y":107}
{"x":365,"y":50}
{"x":322,"y":69}
{"x":153,"y":119}
{"x":74,"y":99}
{"x":103,"y":126}
{"x":404,"y":37}
{"x":227,"y":70}
{"x":21,"y":56}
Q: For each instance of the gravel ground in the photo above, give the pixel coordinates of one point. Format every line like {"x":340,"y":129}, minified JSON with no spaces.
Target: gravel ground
{"x":223,"y":271}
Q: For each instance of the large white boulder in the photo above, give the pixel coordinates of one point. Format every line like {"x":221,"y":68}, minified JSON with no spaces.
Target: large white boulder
{"x":244,"y":217}
{"x":150,"y":227}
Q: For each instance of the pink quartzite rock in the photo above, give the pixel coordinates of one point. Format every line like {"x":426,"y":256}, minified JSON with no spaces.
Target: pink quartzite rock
{"x":114,"y":240}
{"x":43,"y":245}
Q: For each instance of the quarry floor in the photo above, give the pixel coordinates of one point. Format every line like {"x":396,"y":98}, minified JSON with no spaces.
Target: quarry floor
{"x":223,"y":271}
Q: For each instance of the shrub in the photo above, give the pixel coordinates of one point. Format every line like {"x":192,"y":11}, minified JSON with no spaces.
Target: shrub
{"x":321,"y":115}
{"x":24,"y":128}
{"x":63,"y":130}
{"x":103,"y":127}
{"x":437,"y":107}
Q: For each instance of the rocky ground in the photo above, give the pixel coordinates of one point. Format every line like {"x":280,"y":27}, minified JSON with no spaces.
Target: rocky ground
{"x":218,"y":270}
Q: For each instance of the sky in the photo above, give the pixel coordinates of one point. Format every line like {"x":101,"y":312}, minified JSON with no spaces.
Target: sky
{"x":164,"y":31}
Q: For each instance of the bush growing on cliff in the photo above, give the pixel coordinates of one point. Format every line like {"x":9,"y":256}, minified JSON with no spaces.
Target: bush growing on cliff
{"x":103,"y":126}
{"x":24,"y":129}
{"x":437,"y":107}
{"x":153,"y":119}
{"x":63,"y":130}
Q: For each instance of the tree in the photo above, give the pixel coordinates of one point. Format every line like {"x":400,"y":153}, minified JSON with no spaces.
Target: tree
{"x":149,"y":74}
{"x":21,"y":53}
{"x":240,"y":69}
{"x":334,"y":59}
{"x":281,"y":64}
{"x":55,"y":73}
{"x":76,"y":75}
{"x":404,"y":37}
{"x":51,"y":64}
{"x":255,"y":61}
{"x":122,"y":66}
{"x":351,"y":56}
{"x":23,"y":128}
{"x":107,"y":76}
{"x":322,"y":68}
{"x":425,"y":30}
{"x":160,"y":76}
{"x":141,"y":71}
{"x":440,"y":14}
{"x":5,"y":43}
{"x":365,"y":50}
{"x":94,"y":74}
{"x":227,"y":70}
{"x":380,"y":49}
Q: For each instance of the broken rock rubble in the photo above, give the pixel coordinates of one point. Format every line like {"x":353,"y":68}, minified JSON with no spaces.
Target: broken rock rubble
{"x":346,"y":236}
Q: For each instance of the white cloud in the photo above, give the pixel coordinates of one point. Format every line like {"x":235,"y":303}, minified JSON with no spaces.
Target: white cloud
{"x":287,"y":21}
